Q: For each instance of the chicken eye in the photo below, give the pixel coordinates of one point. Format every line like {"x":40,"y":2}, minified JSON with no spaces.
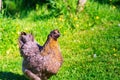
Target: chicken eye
{"x":54,"y":32}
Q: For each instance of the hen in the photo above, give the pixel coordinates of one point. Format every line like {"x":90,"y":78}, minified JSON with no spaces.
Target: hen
{"x":40,"y":62}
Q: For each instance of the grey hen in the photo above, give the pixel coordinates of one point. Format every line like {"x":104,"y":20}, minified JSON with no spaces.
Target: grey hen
{"x":32,"y":60}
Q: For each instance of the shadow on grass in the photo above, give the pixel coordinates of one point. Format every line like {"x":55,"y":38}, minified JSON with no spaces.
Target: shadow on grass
{"x":11,"y":76}
{"x":24,"y":8}
{"x":110,"y":2}
{"x":46,"y":16}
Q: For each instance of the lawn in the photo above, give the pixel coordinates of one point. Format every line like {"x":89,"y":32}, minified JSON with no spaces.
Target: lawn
{"x":89,"y":42}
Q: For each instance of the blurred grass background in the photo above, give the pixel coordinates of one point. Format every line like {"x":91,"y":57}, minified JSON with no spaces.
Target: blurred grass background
{"x":90,"y":39}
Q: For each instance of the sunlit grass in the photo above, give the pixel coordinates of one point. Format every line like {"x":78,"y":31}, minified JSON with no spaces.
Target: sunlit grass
{"x":90,"y":42}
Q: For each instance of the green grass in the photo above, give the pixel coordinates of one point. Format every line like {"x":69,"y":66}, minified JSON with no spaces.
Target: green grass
{"x":94,"y":31}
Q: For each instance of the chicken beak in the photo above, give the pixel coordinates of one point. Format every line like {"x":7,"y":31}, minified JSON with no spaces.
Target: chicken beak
{"x":58,"y":35}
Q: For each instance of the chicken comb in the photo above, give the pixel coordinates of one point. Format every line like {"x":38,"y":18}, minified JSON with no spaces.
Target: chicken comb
{"x":23,"y":33}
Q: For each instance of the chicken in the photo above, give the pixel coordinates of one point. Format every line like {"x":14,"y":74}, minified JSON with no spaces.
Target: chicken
{"x":51,"y":52}
{"x":40,"y":62}
{"x":32,"y":60}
